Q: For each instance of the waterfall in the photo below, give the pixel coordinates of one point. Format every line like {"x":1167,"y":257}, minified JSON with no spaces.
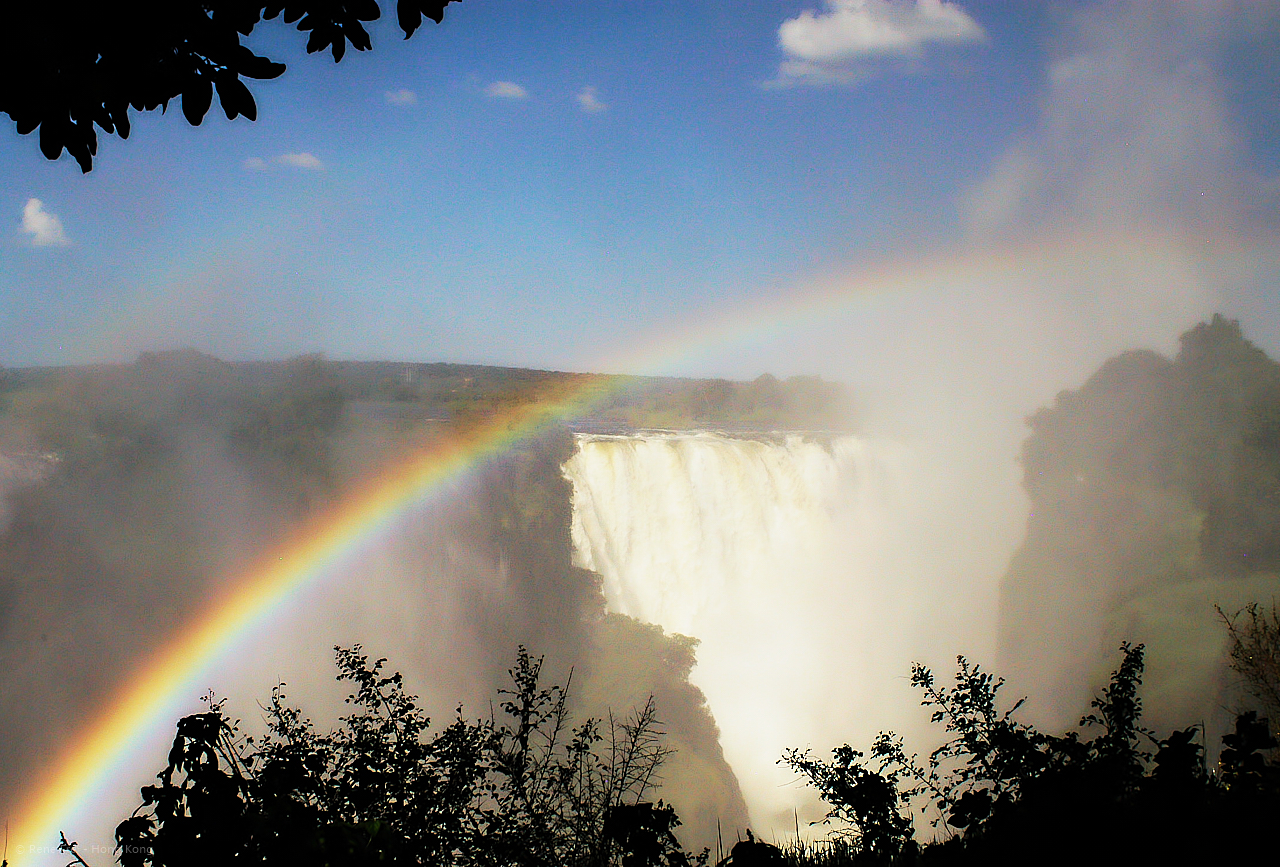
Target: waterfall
{"x":765,"y":549}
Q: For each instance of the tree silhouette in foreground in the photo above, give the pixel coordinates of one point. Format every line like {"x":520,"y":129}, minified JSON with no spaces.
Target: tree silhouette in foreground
{"x":529,"y":789}
{"x":68,"y":65}
{"x":524,"y":790}
{"x":1000,"y":792}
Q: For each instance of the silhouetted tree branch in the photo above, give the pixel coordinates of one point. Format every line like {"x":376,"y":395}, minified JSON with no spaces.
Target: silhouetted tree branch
{"x":68,"y":66}
{"x":68,"y":846}
{"x":1254,"y":650}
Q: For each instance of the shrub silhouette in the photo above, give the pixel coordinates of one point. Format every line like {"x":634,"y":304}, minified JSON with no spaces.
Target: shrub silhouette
{"x":525,"y":789}
{"x":528,"y":789}
{"x":1001,"y":792}
{"x":1253,"y":646}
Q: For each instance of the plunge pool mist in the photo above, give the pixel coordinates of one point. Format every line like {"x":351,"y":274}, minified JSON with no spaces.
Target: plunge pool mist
{"x":779,"y":554}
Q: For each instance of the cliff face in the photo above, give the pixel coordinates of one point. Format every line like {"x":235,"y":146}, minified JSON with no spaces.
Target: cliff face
{"x":523,"y":508}
{"x":1155,"y":494}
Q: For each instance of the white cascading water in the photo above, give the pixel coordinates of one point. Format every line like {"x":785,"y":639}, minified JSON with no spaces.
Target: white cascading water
{"x":758,"y":547}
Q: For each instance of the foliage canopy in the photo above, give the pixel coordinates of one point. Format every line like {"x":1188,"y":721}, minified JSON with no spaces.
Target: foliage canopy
{"x":1253,"y":646}
{"x":68,"y":66}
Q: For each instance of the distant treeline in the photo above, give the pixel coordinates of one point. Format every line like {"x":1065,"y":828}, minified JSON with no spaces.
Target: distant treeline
{"x":411,"y":392}
{"x":445,"y":391}
{"x":765,"y":403}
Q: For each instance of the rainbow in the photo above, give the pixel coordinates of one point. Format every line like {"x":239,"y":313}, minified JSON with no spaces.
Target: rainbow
{"x":86,"y":769}
{"x":316,"y":550}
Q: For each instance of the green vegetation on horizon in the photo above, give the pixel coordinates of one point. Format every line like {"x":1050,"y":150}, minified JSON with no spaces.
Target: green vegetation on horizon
{"x":414,"y":393}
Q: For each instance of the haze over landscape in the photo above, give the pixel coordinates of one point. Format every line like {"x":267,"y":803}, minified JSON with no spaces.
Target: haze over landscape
{"x":897,"y":229}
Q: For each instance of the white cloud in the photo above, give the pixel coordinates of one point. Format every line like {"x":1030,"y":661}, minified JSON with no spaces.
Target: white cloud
{"x":589,"y":100}
{"x":403,"y":96}
{"x":44,"y":228}
{"x":506,"y":90}
{"x":302,"y":160}
{"x":839,"y":44}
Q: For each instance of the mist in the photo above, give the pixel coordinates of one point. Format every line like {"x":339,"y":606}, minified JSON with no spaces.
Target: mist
{"x":1132,"y":206}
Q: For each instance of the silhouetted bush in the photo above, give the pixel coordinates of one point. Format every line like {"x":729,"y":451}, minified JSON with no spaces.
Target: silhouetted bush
{"x":1000,"y":792}
{"x":526,"y":789}
{"x":1254,"y":650}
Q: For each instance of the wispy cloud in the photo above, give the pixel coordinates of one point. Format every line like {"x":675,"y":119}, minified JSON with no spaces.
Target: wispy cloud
{"x":506,"y":90}
{"x":403,"y":96}
{"x":850,"y":40}
{"x":306,"y":161}
{"x":589,"y":100}
{"x":303,"y":160}
{"x":44,"y":229}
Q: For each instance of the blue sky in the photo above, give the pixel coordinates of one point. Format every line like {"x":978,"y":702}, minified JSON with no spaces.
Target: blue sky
{"x":549,"y":184}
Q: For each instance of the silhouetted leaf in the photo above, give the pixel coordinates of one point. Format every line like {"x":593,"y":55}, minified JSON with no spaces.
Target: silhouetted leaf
{"x":359,"y":37}
{"x":196,"y":98}
{"x":107,"y":61}
{"x":235,"y":97}
{"x":252,"y":65}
